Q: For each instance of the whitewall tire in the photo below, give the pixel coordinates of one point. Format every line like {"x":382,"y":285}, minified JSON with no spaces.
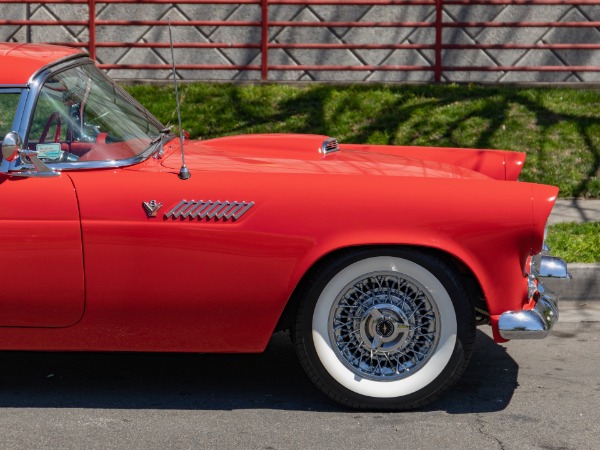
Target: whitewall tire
{"x":385,"y":329}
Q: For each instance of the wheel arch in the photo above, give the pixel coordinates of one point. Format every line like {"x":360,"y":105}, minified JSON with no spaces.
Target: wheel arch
{"x":467,"y":275}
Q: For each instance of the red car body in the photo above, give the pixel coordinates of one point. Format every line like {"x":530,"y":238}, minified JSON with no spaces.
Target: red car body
{"x":91,"y":268}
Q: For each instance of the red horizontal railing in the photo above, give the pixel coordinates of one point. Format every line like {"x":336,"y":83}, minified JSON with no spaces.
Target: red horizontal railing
{"x":437,"y":23}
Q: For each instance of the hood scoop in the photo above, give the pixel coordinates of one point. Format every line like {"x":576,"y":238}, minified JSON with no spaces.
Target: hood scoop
{"x":329,"y":146}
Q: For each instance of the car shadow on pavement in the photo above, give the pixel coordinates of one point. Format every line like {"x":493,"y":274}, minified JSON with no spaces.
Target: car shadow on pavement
{"x":271,"y":380}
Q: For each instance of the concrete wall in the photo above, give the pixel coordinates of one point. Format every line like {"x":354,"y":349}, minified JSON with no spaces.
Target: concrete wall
{"x":506,"y":13}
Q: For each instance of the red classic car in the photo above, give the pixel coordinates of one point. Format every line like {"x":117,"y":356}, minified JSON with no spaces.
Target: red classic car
{"x":379,"y":260}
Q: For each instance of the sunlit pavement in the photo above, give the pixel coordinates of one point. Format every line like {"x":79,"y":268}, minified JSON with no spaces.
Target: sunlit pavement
{"x":579,"y":311}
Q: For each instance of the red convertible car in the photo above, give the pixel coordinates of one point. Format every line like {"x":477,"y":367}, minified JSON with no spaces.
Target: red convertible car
{"x":379,"y":260}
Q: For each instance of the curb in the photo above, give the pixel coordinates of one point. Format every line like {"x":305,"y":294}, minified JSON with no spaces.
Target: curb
{"x":585,"y":285}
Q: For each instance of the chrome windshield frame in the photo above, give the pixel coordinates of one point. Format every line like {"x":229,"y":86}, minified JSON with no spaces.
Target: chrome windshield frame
{"x":28,"y":102}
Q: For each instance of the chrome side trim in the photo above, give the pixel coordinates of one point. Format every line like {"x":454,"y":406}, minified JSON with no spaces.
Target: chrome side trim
{"x":33,"y":174}
{"x":209,"y":210}
{"x":107,"y":164}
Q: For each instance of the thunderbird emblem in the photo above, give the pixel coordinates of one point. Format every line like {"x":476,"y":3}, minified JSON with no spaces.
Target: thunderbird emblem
{"x":151,"y":208}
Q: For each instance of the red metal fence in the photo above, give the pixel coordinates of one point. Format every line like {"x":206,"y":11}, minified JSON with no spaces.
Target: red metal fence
{"x":437,"y":23}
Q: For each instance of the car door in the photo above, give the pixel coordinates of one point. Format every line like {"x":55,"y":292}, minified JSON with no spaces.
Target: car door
{"x":41,"y":261}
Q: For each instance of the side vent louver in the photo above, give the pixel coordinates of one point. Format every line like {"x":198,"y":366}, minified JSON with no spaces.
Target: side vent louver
{"x":209,"y":210}
{"x":330,"y":145}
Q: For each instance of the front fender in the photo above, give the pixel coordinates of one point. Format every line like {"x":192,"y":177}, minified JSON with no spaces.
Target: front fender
{"x":487,"y":225}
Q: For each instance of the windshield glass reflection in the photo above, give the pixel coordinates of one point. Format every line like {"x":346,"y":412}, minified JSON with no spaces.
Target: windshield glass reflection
{"x":81,"y":116}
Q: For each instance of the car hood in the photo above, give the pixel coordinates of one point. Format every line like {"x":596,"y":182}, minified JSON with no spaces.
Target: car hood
{"x":293,"y":153}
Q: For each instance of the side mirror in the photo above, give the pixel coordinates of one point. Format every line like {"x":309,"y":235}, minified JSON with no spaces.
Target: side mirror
{"x":11,"y":145}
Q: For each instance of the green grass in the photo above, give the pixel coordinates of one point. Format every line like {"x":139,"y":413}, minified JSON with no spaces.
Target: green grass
{"x":558,"y":128}
{"x":575,"y":242}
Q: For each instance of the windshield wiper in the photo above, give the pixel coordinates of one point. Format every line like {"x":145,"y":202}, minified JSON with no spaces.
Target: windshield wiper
{"x":158,"y":142}
{"x":163,"y":133}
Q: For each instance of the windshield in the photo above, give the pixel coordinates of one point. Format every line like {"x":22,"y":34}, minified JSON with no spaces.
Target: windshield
{"x":8,"y":108}
{"x":81,"y":116}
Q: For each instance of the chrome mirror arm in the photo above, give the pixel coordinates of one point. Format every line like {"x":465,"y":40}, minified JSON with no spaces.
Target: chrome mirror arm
{"x":11,"y":148}
{"x":41,"y":169}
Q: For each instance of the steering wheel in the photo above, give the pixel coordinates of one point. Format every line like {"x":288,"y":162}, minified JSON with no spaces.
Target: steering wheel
{"x":55,"y":116}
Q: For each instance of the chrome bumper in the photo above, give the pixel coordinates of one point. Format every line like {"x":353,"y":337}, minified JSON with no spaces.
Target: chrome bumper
{"x":536,"y":323}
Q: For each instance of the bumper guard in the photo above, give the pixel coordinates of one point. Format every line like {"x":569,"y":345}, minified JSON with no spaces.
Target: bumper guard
{"x":537,"y":322}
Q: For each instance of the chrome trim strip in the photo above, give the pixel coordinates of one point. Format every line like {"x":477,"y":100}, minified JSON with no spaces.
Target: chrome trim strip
{"x":33,"y":174}
{"x":89,"y":165}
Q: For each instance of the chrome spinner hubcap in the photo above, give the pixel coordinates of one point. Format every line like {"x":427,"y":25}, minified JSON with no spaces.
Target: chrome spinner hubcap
{"x":384,"y":326}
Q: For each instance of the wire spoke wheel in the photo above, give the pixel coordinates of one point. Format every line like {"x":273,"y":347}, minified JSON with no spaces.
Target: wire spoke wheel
{"x":384,"y":326}
{"x":387,"y":330}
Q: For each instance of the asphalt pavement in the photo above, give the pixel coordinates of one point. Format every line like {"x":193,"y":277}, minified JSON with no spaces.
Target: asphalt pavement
{"x":532,"y":394}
